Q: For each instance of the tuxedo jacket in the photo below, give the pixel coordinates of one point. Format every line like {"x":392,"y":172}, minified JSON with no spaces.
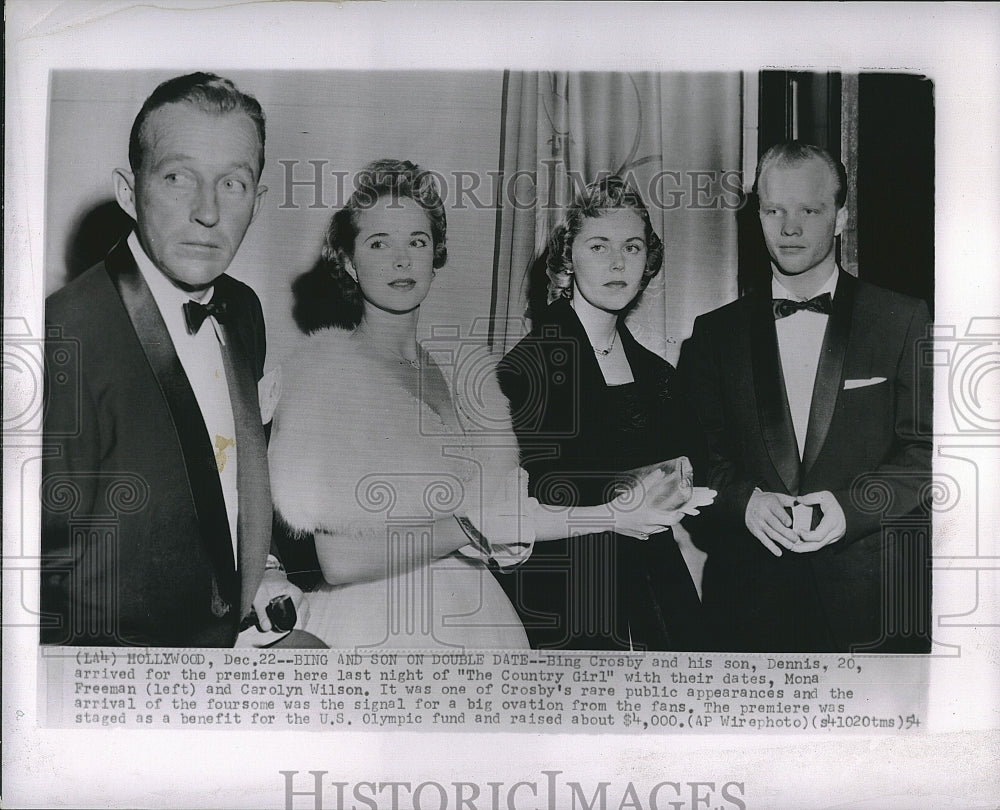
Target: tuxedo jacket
{"x":136,"y":544}
{"x":868,"y":442}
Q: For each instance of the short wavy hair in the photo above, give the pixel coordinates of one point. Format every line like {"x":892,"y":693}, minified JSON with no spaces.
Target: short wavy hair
{"x":209,"y":93}
{"x":793,"y":153}
{"x":327,"y":295}
{"x":607,"y":194}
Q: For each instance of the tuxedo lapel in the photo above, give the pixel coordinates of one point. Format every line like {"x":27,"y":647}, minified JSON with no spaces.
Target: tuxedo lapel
{"x":830,"y":370}
{"x":192,"y":435}
{"x":773,"y":412}
{"x":254,"y":524}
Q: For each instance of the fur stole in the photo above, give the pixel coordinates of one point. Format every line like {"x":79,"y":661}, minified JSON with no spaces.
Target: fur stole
{"x":353,"y":449}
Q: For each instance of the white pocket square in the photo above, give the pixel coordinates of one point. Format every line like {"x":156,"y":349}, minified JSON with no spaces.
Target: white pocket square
{"x":849,"y":384}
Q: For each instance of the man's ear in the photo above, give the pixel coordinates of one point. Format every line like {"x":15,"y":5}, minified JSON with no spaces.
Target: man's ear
{"x":124,"y":182}
{"x":258,"y":201}
{"x":841,"y":221}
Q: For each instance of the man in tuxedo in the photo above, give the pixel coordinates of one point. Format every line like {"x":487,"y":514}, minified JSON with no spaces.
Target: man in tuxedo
{"x":815,"y":416}
{"x":156,"y":504}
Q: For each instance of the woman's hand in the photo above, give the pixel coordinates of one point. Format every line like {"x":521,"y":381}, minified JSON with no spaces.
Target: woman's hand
{"x":503,"y":528}
{"x":702,"y":496}
{"x":637,"y":511}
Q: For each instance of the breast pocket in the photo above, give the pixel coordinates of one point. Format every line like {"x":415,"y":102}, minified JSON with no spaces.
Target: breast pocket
{"x":866,"y":410}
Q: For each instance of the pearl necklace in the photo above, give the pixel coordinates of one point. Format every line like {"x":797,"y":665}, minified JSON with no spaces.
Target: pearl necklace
{"x":599,"y":352}
{"x":607,"y":351}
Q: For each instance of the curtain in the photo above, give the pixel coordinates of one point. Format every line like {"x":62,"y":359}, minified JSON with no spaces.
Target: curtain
{"x":678,"y":136}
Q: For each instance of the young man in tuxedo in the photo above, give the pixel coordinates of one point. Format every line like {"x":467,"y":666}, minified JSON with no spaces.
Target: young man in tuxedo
{"x":815,"y":416}
{"x":156,"y":503}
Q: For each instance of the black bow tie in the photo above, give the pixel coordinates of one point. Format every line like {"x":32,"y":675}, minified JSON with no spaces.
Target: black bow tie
{"x":195,"y":314}
{"x":783,"y":307}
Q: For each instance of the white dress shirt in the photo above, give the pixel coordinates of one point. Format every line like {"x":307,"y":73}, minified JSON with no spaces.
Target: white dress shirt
{"x":800,"y":340}
{"x":201,"y":357}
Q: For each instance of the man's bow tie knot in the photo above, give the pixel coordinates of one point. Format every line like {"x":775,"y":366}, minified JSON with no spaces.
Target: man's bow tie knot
{"x":783,"y":307}
{"x":195,"y":313}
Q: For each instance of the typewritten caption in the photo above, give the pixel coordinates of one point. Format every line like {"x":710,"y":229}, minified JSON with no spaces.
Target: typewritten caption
{"x":623,"y":693}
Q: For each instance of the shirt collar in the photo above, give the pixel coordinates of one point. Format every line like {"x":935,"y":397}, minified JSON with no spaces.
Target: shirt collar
{"x":778,"y":290}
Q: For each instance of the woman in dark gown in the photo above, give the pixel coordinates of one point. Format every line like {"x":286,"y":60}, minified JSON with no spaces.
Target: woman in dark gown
{"x":589,"y":403}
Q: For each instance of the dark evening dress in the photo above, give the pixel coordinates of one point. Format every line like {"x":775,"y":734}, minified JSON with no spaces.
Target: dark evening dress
{"x":576,"y":435}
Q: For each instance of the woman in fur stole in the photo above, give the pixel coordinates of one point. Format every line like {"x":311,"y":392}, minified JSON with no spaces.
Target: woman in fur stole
{"x":403,"y":471}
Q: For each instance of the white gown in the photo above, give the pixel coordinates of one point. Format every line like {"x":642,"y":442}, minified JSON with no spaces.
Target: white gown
{"x":356,"y":449}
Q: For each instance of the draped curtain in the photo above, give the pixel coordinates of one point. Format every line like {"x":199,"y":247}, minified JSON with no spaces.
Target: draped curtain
{"x":678,"y":136}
